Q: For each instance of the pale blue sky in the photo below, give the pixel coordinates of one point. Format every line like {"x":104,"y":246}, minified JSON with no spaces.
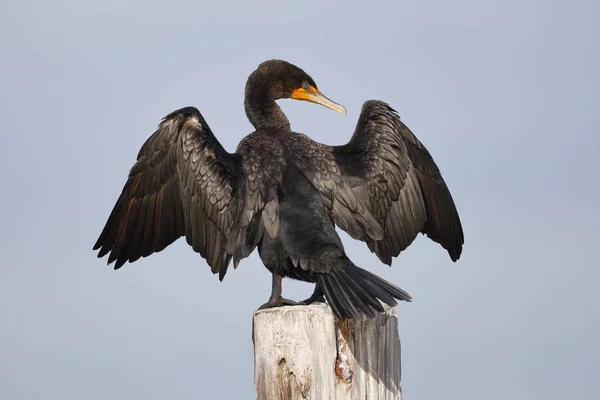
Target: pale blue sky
{"x":503,"y":93}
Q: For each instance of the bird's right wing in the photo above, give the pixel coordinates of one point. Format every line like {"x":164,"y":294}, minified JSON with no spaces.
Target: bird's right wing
{"x":184,"y":183}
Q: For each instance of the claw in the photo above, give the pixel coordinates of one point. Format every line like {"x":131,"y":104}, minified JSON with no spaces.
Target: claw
{"x":316,"y":297}
{"x":313,"y":299}
{"x":279,"y":303}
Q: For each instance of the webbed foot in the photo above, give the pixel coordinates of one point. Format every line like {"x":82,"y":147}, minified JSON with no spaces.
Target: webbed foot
{"x":279,"y":302}
{"x":313,"y":299}
{"x":316,"y":297}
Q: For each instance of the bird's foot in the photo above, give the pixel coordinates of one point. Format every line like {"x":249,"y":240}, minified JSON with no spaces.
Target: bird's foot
{"x":279,"y":302}
{"x":313,"y":299}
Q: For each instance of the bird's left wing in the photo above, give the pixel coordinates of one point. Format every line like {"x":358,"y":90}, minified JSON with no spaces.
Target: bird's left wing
{"x":184,"y":183}
{"x":383,"y":186}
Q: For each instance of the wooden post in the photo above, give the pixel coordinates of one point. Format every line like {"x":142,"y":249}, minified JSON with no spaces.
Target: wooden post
{"x":301,"y":352}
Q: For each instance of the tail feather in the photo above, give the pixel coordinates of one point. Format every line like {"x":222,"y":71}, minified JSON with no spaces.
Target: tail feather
{"x":393,"y":289}
{"x":355,"y":303}
{"x":369,"y":300}
{"x":331,"y":295}
{"x":353,"y":292}
{"x":379,"y":291}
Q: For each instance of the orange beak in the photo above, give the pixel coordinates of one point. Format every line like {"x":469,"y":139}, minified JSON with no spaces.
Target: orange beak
{"x":314,"y":96}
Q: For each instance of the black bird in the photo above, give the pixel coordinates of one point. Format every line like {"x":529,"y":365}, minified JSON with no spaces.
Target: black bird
{"x":284,"y":193}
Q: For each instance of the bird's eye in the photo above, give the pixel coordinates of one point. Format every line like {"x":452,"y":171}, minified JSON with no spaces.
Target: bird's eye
{"x":305,"y":85}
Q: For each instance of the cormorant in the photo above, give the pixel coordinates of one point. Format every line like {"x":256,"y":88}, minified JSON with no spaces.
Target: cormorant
{"x":284,"y":193}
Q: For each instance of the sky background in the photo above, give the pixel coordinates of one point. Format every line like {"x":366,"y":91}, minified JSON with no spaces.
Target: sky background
{"x":504,"y":94}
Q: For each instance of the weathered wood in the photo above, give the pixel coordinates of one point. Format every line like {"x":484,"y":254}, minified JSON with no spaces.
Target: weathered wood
{"x":300,"y":352}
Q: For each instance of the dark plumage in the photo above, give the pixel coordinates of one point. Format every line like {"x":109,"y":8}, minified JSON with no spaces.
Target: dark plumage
{"x":284,"y":193}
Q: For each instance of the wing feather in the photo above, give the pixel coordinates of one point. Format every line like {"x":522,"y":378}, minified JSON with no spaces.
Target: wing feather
{"x":385,"y":187}
{"x":184,"y":183}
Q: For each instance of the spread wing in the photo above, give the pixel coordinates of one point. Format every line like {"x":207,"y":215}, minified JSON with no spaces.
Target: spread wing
{"x":383,"y":187}
{"x":184,"y":183}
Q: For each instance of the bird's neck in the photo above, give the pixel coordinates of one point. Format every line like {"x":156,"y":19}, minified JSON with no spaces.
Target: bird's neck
{"x":264,"y":113}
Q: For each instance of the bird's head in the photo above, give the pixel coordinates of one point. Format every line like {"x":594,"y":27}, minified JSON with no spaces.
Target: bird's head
{"x":277,"y":79}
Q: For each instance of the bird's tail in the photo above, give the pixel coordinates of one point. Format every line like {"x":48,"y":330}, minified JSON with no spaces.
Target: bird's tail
{"x":353,"y":292}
